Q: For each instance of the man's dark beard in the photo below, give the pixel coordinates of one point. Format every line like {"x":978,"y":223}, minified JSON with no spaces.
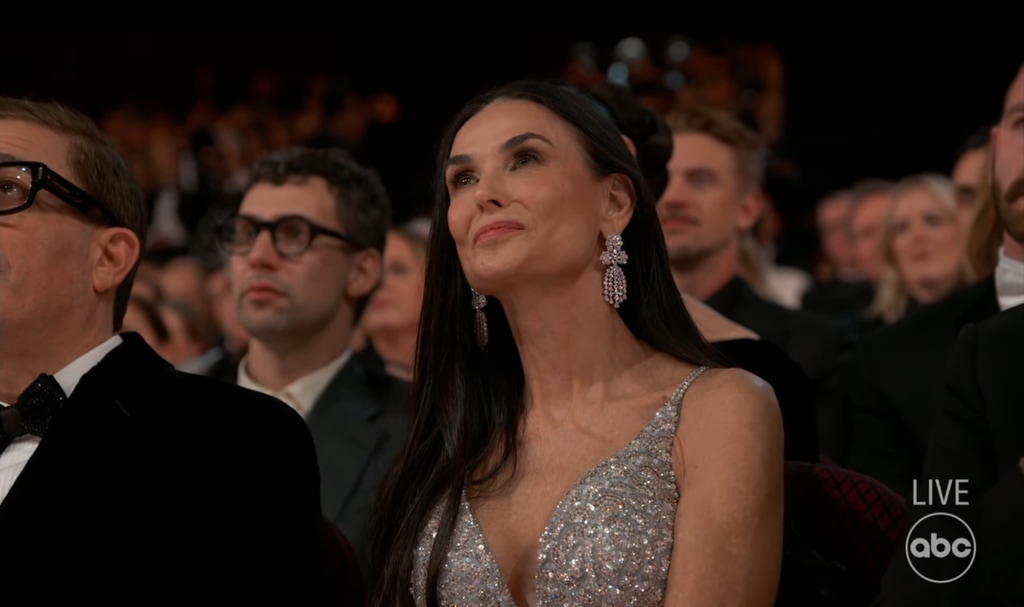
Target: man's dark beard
{"x":1012,"y":219}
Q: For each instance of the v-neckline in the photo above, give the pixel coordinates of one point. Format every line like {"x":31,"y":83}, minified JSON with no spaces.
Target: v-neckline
{"x":492,"y":562}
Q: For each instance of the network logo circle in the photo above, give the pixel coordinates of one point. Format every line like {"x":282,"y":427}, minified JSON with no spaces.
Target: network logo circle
{"x":941,"y":547}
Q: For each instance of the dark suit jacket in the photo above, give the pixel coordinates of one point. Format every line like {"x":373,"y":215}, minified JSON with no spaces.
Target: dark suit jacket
{"x":359,"y":426}
{"x":978,"y":436}
{"x":817,"y":344}
{"x":894,"y":383}
{"x":150,"y":481}
{"x":838,"y":298}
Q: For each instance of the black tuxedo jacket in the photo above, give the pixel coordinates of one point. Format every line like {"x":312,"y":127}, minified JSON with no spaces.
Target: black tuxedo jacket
{"x":978,"y":436}
{"x":359,"y":426}
{"x":150,"y":481}
{"x":895,"y":381}
{"x":818,"y":344}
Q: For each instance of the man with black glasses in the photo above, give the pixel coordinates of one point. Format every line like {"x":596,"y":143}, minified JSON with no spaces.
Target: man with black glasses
{"x":119,"y":476}
{"x":305,"y":248}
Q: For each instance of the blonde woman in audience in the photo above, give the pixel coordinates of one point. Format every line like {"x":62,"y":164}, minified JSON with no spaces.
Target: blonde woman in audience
{"x":392,"y":318}
{"x":923,"y":248}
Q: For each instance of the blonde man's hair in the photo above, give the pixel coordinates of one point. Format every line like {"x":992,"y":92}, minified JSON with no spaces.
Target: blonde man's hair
{"x":748,"y":148}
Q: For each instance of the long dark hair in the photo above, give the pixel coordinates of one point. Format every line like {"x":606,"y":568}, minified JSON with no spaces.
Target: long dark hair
{"x":469,"y":403}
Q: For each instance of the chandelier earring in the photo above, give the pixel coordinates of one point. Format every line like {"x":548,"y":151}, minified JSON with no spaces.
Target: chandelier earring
{"x":613,"y":258}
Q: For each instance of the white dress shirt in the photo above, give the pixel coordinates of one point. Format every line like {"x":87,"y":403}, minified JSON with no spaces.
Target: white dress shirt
{"x":1009,"y":277}
{"x":16,"y":455}
{"x":302,"y":393}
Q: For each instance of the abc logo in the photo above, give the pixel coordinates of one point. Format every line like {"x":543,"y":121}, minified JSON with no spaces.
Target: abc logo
{"x":940,"y":547}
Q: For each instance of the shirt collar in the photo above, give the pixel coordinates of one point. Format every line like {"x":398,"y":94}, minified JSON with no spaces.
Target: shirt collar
{"x":302,"y":393}
{"x":1009,"y":279}
{"x":69,"y":376}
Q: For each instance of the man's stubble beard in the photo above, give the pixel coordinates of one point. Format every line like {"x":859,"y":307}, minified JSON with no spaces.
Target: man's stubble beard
{"x":687,"y":256}
{"x":265,"y":325}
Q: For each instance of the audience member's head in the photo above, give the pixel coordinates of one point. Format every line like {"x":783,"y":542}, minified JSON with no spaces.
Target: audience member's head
{"x":306,"y":246}
{"x":870,"y":199}
{"x":969,"y":171}
{"x":146,"y":289}
{"x":183,"y":278}
{"x":72,"y":227}
{"x":1008,"y":167}
{"x":923,"y":245}
{"x":224,"y":314}
{"x":189,"y":334}
{"x":713,"y":196}
{"x":143,"y":317}
{"x":833,"y":221}
{"x":392,"y":319}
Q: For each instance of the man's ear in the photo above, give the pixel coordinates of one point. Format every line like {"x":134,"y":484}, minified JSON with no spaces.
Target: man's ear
{"x":365,"y":274}
{"x":115,"y":251}
{"x":751,"y":207}
{"x":619,"y":204}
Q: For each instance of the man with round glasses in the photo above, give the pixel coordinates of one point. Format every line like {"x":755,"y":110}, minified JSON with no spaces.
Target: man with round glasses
{"x":305,"y":255}
{"x":118,"y":475}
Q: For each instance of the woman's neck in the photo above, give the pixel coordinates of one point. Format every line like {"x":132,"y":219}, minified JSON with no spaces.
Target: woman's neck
{"x":572,"y":345}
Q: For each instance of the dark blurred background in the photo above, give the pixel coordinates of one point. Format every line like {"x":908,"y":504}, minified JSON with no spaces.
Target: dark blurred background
{"x":856,"y":104}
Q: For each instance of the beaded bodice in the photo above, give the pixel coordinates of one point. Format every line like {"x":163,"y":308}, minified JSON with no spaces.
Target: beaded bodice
{"x":608,"y":542}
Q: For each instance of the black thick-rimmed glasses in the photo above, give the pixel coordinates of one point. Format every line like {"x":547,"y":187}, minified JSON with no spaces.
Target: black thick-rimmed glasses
{"x":292,"y":235}
{"x":20,"y":182}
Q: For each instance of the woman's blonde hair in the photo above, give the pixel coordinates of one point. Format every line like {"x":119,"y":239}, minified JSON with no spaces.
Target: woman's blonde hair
{"x":892,"y":296}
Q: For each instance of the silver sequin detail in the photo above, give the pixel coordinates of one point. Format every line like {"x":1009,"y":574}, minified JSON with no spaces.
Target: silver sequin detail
{"x":609,"y":541}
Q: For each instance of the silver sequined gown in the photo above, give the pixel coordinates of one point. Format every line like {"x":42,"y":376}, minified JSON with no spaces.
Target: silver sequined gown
{"x":609,"y":541}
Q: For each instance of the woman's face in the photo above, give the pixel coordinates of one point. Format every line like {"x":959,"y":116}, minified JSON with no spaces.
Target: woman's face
{"x":525,"y":204}
{"x":928,"y":240}
{"x":396,"y":304}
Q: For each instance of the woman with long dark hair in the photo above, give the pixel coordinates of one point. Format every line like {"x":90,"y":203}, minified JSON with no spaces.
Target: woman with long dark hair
{"x":575,"y":438}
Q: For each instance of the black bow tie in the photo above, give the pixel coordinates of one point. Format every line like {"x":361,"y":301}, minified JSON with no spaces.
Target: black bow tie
{"x":33,"y":411}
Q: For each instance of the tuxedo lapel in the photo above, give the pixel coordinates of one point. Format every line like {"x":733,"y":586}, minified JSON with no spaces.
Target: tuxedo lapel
{"x":83,"y":461}
{"x":345,"y":432}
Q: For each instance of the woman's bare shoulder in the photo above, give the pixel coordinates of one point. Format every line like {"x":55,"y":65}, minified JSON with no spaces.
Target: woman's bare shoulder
{"x":729,"y":420}
{"x":729,"y":397}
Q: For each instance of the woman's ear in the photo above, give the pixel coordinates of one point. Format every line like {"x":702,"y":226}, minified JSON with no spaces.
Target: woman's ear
{"x":619,"y":205}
